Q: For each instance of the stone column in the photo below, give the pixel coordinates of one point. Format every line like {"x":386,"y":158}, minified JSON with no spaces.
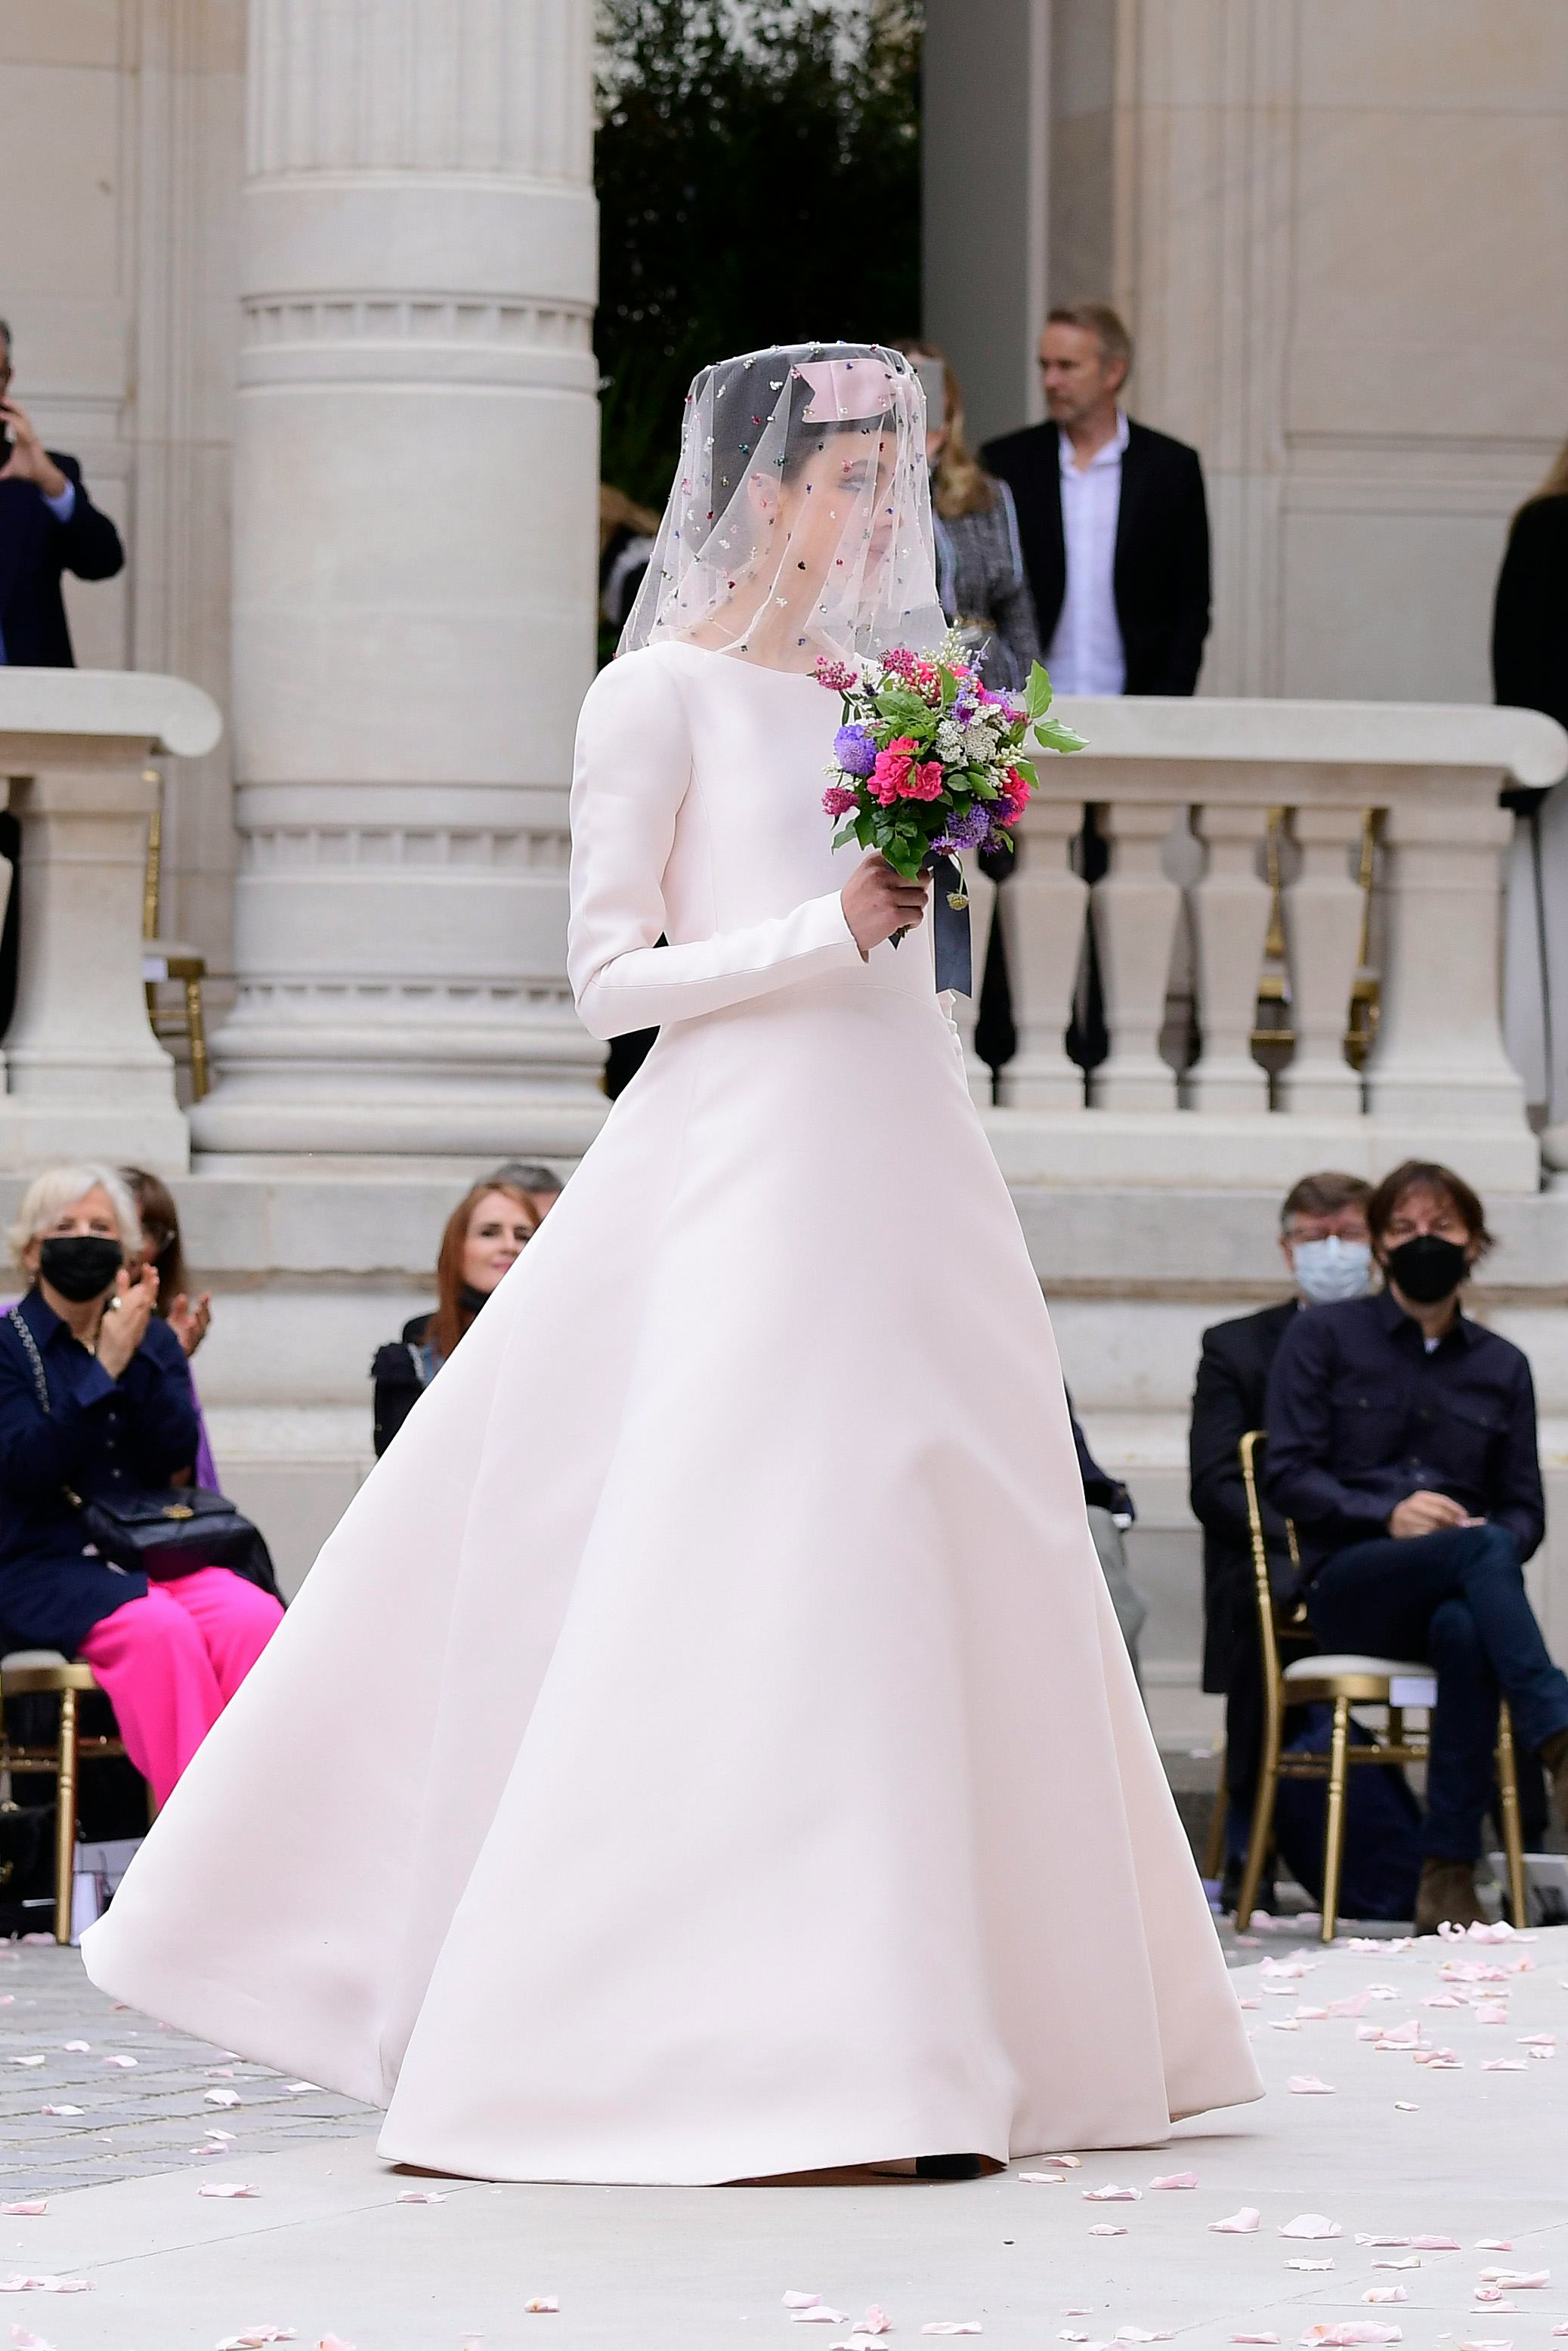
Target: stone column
{"x":414,"y":576}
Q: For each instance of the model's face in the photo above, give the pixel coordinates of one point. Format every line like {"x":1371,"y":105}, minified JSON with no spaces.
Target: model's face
{"x":498,"y":1232}
{"x":831,"y":511}
{"x":93,"y":1212}
{"x":1078,"y":378}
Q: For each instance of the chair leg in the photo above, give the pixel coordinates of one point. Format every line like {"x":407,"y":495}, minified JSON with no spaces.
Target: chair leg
{"x":1334,"y":1827}
{"x":66,"y":1818}
{"x":1262,"y":1830}
{"x":1512,"y":1833}
{"x":1214,"y":1851}
{"x":196,"y":1029}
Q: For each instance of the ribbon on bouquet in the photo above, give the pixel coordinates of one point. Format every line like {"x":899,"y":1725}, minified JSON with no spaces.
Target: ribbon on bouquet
{"x":950,"y":936}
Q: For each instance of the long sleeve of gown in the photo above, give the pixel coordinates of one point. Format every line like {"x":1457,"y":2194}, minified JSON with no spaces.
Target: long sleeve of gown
{"x":633,"y":770}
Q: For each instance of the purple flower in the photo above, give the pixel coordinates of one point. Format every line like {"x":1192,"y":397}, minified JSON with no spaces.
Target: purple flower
{"x":856,"y":750}
{"x":965,"y":829}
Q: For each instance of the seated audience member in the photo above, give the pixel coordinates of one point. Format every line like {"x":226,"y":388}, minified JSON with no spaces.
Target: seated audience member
{"x":95,"y":1401}
{"x":541,"y":1184}
{"x":1323,"y":1241}
{"x":485,"y":1235}
{"x":190,"y":1320}
{"x":1402,"y":1442}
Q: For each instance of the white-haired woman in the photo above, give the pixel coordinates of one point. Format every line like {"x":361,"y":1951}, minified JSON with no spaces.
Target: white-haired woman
{"x":120,"y":1418}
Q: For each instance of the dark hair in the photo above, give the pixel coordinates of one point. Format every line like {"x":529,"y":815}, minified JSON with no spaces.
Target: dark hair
{"x":1426,"y":1176}
{"x":5,"y":336}
{"x":737,"y":423}
{"x":451,"y":1318}
{"x":1096,"y":319}
{"x":527,"y":1175}
{"x":1325,"y":1195}
{"x":160,"y":1229}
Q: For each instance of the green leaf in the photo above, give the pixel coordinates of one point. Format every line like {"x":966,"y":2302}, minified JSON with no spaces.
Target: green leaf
{"x":1037,"y":693}
{"x":949,"y":689}
{"x":983,"y":790}
{"x":1056,"y":736}
{"x":846,"y":833}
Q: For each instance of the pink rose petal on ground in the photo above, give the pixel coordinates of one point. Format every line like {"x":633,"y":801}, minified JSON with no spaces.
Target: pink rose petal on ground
{"x":543,"y":2305}
{"x":1112,"y":2194}
{"x":1436,"y":2244}
{"x":1254,"y":2338}
{"x":422,"y":2196}
{"x":876,"y":2322}
{"x":1354,"y":2006}
{"x":1494,"y":2244}
{"x":1362,"y":2238}
{"x":1238,"y":2224}
{"x":1505,"y":2065}
{"x":1307,"y":2086}
{"x":1170,"y":2178}
{"x":1358,"y":2330}
{"x":20,"y":2335}
{"x":1518,"y":2279}
{"x":123,"y":2062}
{"x":60,"y":2110}
{"x":1299,"y":2264}
{"x":333,"y":2343}
{"x":1308,"y":2224}
{"x":227,"y":2187}
{"x":1404,"y":2106}
{"x":949,"y":2326}
{"x":1405,"y":2262}
{"x":1041,"y":2178}
{"x":1107,"y":2228}
{"x":1385,"y":2293}
{"x":256,"y":2338}
{"x":28,"y":2211}
{"x":1072,"y":2162}
{"x":1142,"y":2334}
{"x":799,"y":2301}
{"x":27,"y":2060}
{"x":77,"y":2048}
{"x":1492,"y":2343}
{"x":817,"y":2313}
{"x":229,"y":2097}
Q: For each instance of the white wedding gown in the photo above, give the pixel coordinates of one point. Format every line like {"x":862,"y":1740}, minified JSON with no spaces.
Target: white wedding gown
{"x":706,"y":1749}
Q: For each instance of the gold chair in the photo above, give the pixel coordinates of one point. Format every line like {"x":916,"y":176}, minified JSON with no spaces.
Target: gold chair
{"x":170,"y":959}
{"x":31,"y":1673}
{"x":1342,"y":1682}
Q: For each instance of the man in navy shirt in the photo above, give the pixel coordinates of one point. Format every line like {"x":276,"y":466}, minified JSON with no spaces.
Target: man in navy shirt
{"x":1402,"y":1442}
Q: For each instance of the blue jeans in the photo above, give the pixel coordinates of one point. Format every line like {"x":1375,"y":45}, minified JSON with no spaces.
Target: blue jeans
{"x":1455,"y":1601}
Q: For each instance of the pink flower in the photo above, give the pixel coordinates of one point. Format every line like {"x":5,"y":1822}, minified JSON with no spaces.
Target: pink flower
{"x":833,"y":674}
{"x":837,"y":801}
{"x":922,"y":782}
{"x":887,"y":781}
{"x":1015,"y":798}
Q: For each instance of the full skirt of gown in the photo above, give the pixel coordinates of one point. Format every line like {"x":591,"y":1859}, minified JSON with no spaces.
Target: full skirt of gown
{"x":704,"y":1749}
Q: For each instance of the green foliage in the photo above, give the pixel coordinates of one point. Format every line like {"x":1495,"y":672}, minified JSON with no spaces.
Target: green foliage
{"x":759,"y":173}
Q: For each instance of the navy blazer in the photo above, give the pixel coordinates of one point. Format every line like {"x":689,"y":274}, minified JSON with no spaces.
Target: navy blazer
{"x":1360,"y":1415}
{"x":100,"y":1436}
{"x":1227,"y":1400}
{"x":1160,"y":579}
{"x":35,"y":550}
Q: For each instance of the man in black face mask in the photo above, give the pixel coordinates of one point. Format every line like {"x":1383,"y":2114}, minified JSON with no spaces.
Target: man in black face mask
{"x":1402,"y":1441}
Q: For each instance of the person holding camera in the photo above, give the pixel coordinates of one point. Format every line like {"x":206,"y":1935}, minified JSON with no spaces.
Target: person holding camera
{"x":96,"y":1410}
{"x":48,"y":526}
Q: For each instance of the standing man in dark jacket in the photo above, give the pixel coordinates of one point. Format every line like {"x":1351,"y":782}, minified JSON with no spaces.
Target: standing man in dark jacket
{"x":48,"y":525}
{"x":1402,"y":1441}
{"x":1323,"y":1241}
{"x":1111,"y":520}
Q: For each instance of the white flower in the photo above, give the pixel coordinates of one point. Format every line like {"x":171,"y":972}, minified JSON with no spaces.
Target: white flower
{"x":950,"y":742}
{"x":979,"y":742}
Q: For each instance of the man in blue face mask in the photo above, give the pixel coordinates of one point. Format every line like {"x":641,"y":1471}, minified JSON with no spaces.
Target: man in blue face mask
{"x":1323,"y":1241}
{"x":1402,"y":1441}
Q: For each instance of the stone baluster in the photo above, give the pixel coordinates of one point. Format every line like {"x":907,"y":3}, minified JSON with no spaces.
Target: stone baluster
{"x":1323,"y":911}
{"x":1438,"y":1057}
{"x":1040,"y":910}
{"x":1230,"y":908}
{"x":965,"y":1009}
{"x":415,"y":485}
{"x":1134,"y":910}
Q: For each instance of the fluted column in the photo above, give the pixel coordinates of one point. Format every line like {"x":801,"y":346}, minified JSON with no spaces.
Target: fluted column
{"x":414,"y":549}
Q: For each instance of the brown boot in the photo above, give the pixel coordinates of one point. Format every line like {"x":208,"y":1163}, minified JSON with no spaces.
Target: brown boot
{"x":1555,"y":1761}
{"x":1446,"y":1896}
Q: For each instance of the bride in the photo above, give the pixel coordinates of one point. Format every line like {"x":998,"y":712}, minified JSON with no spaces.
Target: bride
{"x":704,"y":1749}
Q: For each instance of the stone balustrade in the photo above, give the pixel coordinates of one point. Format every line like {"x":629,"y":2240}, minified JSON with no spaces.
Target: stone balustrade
{"x":83,"y":1074}
{"x":1189,"y":794}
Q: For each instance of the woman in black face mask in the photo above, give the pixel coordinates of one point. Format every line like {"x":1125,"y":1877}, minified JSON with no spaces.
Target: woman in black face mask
{"x":96,"y":1408}
{"x":1402,"y":1440}
{"x":485,"y":1235}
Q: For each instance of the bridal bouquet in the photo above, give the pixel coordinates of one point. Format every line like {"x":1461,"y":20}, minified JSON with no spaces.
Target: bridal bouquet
{"x":928,"y":761}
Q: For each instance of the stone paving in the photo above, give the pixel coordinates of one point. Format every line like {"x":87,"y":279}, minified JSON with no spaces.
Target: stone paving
{"x":59,"y":2041}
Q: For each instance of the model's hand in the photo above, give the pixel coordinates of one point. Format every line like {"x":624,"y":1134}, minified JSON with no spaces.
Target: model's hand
{"x":190,"y":1324}
{"x":29,"y":460}
{"x":125,"y":1318}
{"x":1427,"y":1514}
{"x":877,"y":902}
